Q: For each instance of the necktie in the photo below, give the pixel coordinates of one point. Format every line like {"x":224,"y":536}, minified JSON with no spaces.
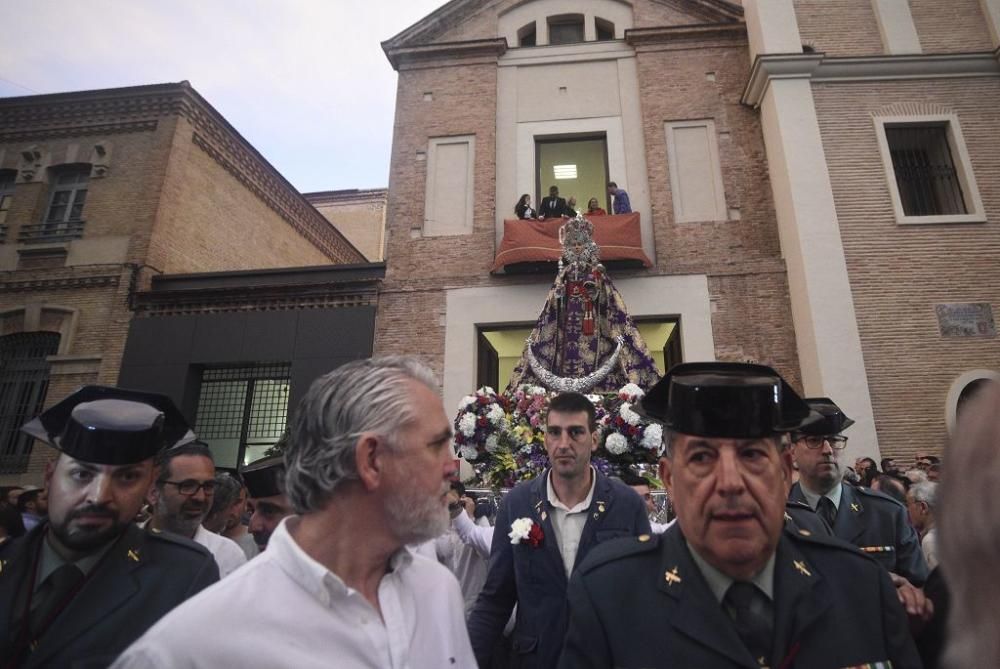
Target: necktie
{"x":54,"y":591}
{"x":750,"y":611}
{"x":826,"y":510}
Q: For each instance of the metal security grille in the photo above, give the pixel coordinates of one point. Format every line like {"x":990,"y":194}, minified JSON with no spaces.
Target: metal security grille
{"x":925,"y":172}
{"x":242,"y":411}
{"x":24,"y":381}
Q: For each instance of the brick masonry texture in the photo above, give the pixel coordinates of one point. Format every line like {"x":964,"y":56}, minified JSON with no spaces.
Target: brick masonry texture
{"x":899,"y":273}
{"x":751,"y":312}
{"x":955,"y":26}
{"x":839,"y":27}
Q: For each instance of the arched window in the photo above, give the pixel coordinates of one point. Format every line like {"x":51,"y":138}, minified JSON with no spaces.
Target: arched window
{"x":24,"y":382}
{"x":605,"y":29}
{"x":526,"y":35}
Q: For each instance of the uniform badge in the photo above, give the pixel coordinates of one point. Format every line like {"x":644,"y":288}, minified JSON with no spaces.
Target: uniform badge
{"x":133,"y":555}
{"x":672,"y":576}
{"x":801,"y":567}
{"x":855,"y":508}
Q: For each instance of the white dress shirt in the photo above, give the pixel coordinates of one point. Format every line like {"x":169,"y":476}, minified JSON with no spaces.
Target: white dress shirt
{"x":479,"y":537}
{"x":568,"y":523}
{"x":284,"y":609}
{"x":468,"y":566}
{"x":228,"y":554}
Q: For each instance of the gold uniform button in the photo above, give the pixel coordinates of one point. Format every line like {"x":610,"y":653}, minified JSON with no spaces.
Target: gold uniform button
{"x":643,"y":537}
{"x":805,"y":533}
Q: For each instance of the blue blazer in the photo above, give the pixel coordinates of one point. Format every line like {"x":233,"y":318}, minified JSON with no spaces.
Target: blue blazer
{"x":534,"y":578}
{"x":880,"y":527}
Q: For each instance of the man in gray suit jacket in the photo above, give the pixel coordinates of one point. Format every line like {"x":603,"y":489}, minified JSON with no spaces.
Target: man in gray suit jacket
{"x":77,"y":590}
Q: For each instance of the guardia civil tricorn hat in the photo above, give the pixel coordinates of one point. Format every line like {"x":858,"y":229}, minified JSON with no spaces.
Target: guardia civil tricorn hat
{"x":264,"y":477}
{"x":111,"y":426}
{"x":833,"y":421}
{"x":727,"y":400}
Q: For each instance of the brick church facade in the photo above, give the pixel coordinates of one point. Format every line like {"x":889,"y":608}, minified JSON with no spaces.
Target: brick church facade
{"x":768,"y":148}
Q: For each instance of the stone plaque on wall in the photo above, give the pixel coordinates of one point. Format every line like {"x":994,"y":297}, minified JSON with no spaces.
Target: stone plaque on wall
{"x":966,"y":319}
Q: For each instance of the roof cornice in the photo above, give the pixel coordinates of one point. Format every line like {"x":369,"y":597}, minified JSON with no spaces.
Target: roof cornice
{"x":684,"y":33}
{"x":489,"y":49}
{"x":818,"y":67}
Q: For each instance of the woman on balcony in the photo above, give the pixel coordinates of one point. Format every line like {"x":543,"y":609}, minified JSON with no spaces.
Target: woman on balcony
{"x":593,"y":209}
{"x":523,"y":208}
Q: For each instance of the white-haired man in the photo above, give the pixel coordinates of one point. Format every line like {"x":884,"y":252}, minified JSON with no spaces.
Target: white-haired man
{"x":368,"y":463}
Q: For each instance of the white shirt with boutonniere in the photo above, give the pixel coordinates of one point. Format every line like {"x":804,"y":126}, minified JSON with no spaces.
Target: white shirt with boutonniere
{"x":520,"y":529}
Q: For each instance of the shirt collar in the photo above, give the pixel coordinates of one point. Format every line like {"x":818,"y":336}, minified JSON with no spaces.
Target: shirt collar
{"x":813,"y":497}
{"x":719,"y":583}
{"x":554,"y":500}
{"x":312,"y":576}
{"x":51,"y":560}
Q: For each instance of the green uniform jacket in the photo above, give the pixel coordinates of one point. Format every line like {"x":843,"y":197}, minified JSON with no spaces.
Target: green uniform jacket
{"x":143,"y":576}
{"x":643,"y":603}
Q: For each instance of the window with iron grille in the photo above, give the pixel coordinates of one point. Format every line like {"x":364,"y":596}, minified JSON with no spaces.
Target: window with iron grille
{"x":929,"y":169}
{"x":24,"y":382}
{"x":925,"y":172}
{"x":68,"y":195}
{"x":242,"y":411}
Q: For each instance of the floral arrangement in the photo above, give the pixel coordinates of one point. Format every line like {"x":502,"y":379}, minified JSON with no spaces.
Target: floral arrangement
{"x":503,"y":438}
{"x":527,"y":531}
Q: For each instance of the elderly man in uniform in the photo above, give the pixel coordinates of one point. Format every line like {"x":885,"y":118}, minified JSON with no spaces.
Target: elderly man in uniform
{"x":871,"y":520}
{"x":265,"y":481}
{"x":368,"y":466}
{"x":81,"y":587}
{"x":728,"y":585}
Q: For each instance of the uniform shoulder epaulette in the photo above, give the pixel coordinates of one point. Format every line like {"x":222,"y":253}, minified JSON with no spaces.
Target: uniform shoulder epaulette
{"x":875,"y":494}
{"x":614,"y":549}
{"x":177,"y":541}
{"x":827,"y":541}
{"x":796,"y":504}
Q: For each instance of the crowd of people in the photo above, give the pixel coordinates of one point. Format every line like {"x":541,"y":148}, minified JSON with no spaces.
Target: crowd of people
{"x":555,"y":206}
{"x":356,"y":545}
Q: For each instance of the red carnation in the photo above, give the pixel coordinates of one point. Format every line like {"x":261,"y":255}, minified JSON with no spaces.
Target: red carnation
{"x":535,"y":535}
{"x":483,"y":399}
{"x":482,"y":421}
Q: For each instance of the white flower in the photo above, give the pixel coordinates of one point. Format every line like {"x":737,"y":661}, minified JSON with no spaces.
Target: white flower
{"x":492,"y":443}
{"x":495,"y":414}
{"x":595,"y":399}
{"x":616,"y":443}
{"x":526,"y":449}
{"x":469,"y":452}
{"x":467,"y":424}
{"x":631,"y":391}
{"x":486,"y":390}
{"x":652,"y":437}
{"x":466,"y":401}
{"x":519,"y":530}
{"x":629,"y":416}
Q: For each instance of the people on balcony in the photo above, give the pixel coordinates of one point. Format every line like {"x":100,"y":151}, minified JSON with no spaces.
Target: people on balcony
{"x":552,"y":206}
{"x":621,"y":205}
{"x":594,"y":209}
{"x":523,"y":208}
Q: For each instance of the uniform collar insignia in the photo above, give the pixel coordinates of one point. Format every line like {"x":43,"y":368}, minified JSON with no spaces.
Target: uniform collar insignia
{"x":855,"y":507}
{"x":672,"y":576}
{"x":801,"y":567}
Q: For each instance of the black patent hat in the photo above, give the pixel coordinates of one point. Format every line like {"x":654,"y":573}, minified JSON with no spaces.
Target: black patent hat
{"x":111,"y":426}
{"x":833,"y":421}
{"x":726,"y":400}
{"x":264,"y":477}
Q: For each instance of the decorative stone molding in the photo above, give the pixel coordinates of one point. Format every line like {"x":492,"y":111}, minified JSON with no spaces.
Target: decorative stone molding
{"x":82,"y":130}
{"x":818,"y":67}
{"x":685,"y":33}
{"x":39,"y":317}
{"x":485,"y":50}
{"x":73,"y":282}
{"x":64,"y":365}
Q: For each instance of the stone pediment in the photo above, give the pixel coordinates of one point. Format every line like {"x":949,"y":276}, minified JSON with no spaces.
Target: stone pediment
{"x":469,"y":21}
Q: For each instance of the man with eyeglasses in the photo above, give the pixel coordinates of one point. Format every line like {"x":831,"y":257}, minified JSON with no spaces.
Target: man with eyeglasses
{"x":87,"y":582}
{"x":544,"y":529}
{"x":182,"y":497}
{"x":872,"y":521}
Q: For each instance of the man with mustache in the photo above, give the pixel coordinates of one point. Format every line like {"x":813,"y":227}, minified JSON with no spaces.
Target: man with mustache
{"x":265,"y":481}
{"x":82,"y":586}
{"x":182,"y":497}
{"x":369,"y":458}
{"x":544,"y":529}
{"x":730,"y":585}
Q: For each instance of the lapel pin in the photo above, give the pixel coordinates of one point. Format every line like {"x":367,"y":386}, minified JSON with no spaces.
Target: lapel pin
{"x":672,"y":576}
{"x":855,"y":508}
{"x":801,"y":567}
{"x":600,"y":507}
{"x":132,"y":555}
